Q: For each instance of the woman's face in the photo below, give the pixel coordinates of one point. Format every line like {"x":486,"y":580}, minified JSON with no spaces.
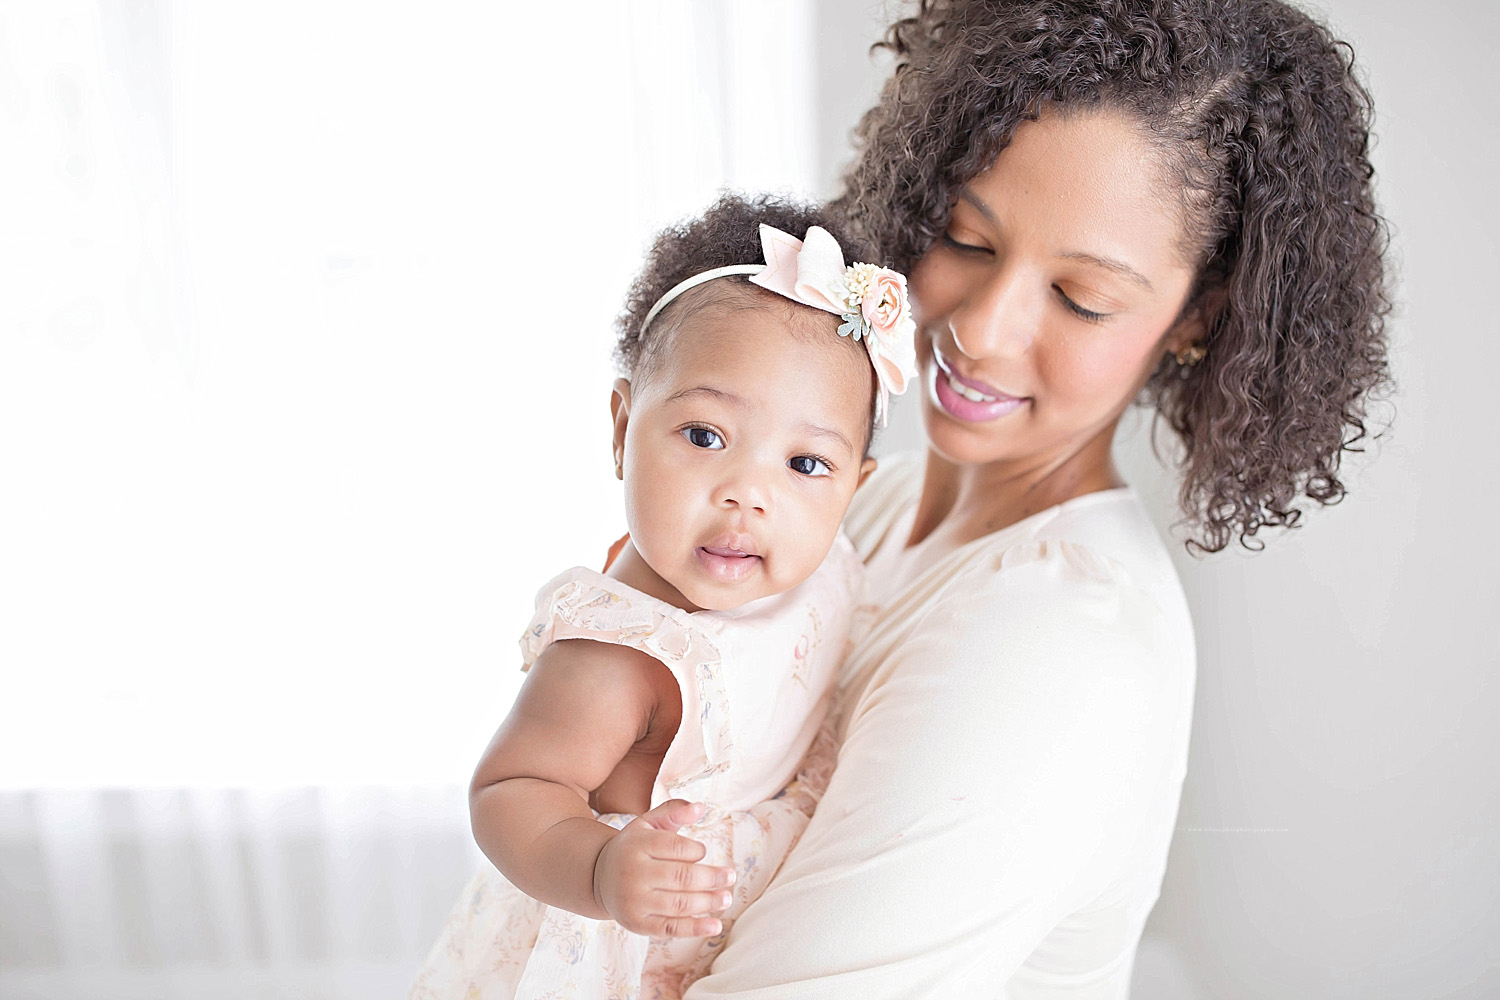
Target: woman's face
{"x":1051,"y":298}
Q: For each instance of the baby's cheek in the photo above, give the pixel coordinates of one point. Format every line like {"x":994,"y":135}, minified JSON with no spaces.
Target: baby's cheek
{"x":646,"y":516}
{"x":818,"y":528}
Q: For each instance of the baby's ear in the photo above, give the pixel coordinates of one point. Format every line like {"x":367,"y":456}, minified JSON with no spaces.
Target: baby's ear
{"x":619,"y":412}
{"x":866,"y":467}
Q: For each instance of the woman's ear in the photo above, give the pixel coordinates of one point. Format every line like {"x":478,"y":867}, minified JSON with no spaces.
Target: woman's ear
{"x":865,"y":468}
{"x":619,"y":412}
{"x":1191,"y":329}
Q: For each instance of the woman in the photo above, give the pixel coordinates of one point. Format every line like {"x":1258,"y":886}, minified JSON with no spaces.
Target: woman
{"x":1098,"y":201}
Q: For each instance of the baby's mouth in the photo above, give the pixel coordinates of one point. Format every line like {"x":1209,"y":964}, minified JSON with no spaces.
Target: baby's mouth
{"x":724,"y":553}
{"x":730,"y":559}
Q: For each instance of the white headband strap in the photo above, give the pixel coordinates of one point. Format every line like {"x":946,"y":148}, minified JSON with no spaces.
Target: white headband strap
{"x":693,"y":282}
{"x":870,"y":300}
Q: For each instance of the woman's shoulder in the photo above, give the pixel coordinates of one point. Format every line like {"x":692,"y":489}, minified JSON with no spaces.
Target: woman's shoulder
{"x":1076,"y":620}
{"x":1094,"y":565}
{"x":1114,"y":533}
{"x":1089,"y":578}
{"x":1083,"y":589}
{"x":1111,"y":528}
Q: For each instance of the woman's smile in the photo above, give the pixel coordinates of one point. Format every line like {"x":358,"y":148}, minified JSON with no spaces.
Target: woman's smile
{"x":967,"y":398}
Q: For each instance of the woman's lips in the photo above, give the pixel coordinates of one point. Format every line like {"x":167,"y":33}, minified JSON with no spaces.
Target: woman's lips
{"x":727,"y":563}
{"x":969,"y":399}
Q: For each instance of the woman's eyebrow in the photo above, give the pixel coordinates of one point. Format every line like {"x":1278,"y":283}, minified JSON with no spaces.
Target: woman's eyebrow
{"x":979,"y":206}
{"x":1119,"y":267}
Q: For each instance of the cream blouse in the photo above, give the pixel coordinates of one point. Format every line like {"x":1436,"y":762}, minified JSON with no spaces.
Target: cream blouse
{"x":1014,"y":725}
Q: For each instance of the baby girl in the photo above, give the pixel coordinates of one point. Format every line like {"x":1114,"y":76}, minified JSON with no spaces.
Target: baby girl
{"x":682,"y":687}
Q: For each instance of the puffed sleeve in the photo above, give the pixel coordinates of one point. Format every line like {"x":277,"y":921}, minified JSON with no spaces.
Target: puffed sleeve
{"x":998,"y":765}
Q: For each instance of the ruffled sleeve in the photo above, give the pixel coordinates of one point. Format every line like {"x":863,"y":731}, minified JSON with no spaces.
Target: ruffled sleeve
{"x":584,"y":604}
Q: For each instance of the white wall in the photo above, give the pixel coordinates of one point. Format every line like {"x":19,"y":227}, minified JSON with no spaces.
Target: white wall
{"x":1338,"y":828}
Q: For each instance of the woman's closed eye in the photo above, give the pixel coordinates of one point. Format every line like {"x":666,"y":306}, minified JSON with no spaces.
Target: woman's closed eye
{"x":1088,"y":315}
{"x":703,"y":437}
{"x":971,"y":248}
{"x":810,"y":465}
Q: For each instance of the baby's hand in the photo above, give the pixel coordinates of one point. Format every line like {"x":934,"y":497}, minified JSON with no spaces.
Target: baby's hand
{"x":648,"y":880}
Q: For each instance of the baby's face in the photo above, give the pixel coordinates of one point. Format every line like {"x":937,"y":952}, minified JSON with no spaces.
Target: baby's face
{"x":742,"y":449}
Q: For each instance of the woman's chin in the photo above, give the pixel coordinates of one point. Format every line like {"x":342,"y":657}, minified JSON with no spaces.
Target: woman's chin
{"x":967,"y":443}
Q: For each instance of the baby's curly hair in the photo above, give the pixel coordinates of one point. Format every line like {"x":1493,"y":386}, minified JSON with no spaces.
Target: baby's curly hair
{"x":1256,"y":108}
{"x":727,"y":233}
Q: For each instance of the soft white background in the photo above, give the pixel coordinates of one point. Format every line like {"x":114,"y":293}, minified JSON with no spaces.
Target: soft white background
{"x":304,"y":359}
{"x":307,"y":357}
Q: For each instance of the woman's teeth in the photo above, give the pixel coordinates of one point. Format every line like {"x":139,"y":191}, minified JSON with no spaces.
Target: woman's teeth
{"x":974,"y":395}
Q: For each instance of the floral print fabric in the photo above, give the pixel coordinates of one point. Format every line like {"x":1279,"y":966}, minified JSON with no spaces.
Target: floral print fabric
{"x":744,"y":716}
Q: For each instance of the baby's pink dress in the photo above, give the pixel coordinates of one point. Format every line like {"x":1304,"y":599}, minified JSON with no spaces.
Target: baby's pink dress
{"x":756,"y":682}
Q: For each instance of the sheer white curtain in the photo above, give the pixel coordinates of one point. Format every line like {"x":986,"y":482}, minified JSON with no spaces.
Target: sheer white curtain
{"x":304,"y":362}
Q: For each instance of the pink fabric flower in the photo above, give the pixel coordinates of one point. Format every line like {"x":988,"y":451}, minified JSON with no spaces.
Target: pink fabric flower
{"x":885,"y":302}
{"x":871,"y":300}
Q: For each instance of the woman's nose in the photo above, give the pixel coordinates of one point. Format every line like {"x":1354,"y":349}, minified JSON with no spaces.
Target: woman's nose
{"x":997,"y":317}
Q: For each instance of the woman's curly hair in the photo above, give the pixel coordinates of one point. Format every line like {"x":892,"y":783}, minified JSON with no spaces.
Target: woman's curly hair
{"x":1256,"y":108}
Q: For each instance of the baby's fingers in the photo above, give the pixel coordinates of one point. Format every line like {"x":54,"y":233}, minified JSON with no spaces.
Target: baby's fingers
{"x":675,"y":876}
{"x":688,"y":927}
{"x":673,"y":814}
{"x":672,"y":913}
{"x":671,"y":903}
{"x":672,"y":847}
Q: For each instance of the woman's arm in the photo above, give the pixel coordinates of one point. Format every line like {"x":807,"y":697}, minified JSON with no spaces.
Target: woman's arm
{"x":996,"y":768}
{"x":583,"y":707}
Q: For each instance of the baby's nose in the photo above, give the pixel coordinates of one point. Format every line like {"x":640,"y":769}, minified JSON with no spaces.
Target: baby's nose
{"x":746,"y":493}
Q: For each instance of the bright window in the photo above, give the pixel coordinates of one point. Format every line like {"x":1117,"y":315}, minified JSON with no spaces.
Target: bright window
{"x":305,"y":363}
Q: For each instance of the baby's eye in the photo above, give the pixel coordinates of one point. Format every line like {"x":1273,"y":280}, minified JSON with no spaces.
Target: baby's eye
{"x":809,"y":466}
{"x":702,"y":437}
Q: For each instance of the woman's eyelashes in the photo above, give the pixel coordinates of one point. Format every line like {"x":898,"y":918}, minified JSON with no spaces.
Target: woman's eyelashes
{"x":978,"y":250}
{"x":1087,"y":315}
{"x":971,"y":248}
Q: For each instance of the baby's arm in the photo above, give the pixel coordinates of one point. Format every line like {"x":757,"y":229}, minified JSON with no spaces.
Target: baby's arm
{"x":583,"y":707}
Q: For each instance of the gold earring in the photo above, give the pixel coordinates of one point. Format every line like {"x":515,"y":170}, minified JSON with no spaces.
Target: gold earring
{"x":1191,"y":355}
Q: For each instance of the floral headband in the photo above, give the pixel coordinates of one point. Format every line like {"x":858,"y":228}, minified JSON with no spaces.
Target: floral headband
{"x":870,"y":300}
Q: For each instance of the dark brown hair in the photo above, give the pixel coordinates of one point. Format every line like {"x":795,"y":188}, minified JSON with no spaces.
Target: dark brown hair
{"x":727,"y":233}
{"x":1256,"y":109}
